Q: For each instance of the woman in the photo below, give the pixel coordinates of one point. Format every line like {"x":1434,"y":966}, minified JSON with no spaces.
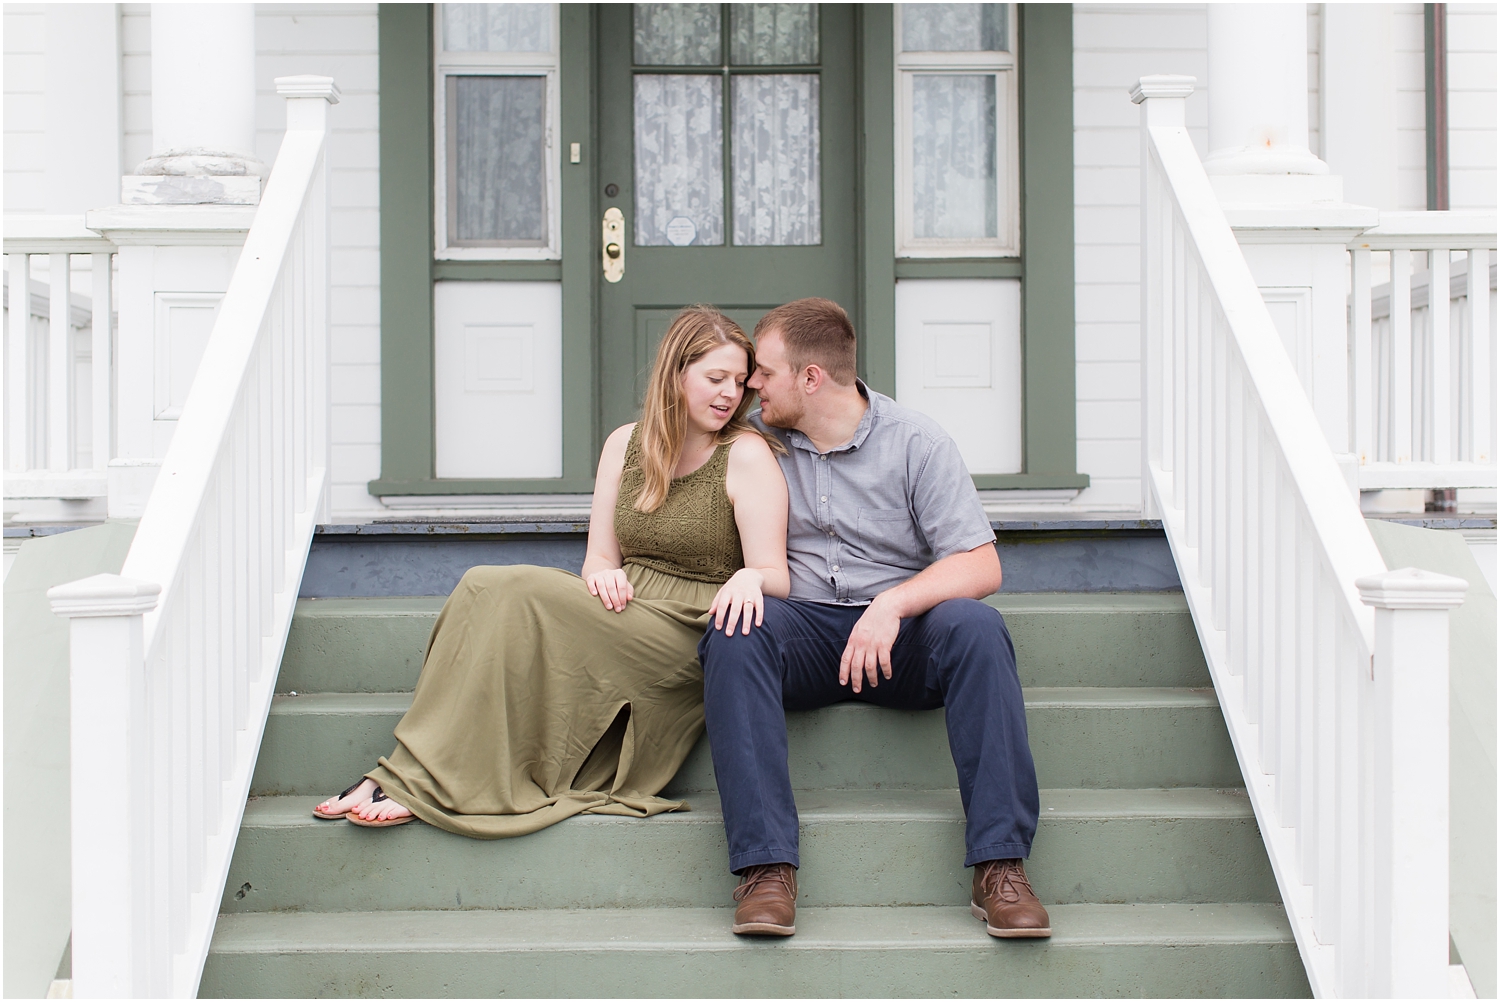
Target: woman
{"x":546,"y":695}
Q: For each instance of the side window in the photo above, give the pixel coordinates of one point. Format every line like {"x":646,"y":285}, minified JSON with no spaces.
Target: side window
{"x":496,"y":116}
{"x":957,"y":168}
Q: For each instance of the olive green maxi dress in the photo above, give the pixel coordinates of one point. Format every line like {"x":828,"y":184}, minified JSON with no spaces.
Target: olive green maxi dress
{"x":536,"y":703}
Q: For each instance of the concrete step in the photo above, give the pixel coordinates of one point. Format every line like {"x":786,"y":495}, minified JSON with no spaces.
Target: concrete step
{"x":1080,"y":738}
{"x":1111,"y":639}
{"x":858,"y":848}
{"x":1220,"y":950}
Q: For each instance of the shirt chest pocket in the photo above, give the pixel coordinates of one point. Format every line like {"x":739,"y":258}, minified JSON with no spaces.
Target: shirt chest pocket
{"x":889,"y":536}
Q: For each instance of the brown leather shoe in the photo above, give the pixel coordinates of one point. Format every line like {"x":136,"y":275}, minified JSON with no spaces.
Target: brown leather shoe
{"x":767,"y":898}
{"x":1004,"y":901}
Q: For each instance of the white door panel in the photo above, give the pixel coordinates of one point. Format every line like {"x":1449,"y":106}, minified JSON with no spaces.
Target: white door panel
{"x":958,"y":360}
{"x":498,"y":379}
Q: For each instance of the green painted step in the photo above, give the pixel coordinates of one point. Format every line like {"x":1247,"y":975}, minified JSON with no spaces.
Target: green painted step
{"x":858,"y":848}
{"x":1124,"y":639}
{"x":1080,"y":738}
{"x":1218,"y":950}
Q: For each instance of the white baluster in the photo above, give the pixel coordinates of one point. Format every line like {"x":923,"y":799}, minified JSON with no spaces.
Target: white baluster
{"x":1440,"y":380}
{"x":1361,"y":345}
{"x":1410,"y":913}
{"x":59,"y":366}
{"x":1403,"y":449}
{"x":101,"y":362}
{"x":1482,"y":371}
{"x":108,"y":746}
{"x":17,"y":369}
{"x":1324,"y":816}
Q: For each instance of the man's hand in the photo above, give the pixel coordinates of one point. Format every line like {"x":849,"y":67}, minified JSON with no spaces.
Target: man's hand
{"x":869,"y":647}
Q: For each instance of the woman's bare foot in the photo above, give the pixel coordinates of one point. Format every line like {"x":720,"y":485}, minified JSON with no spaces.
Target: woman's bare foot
{"x":352,"y":798}
{"x":382,"y":811}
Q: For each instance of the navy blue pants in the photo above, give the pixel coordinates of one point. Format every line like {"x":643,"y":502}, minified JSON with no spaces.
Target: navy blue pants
{"x":958,"y":655}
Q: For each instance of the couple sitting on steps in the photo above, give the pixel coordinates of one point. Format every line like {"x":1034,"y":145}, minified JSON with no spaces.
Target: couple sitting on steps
{"x":830,"y":547}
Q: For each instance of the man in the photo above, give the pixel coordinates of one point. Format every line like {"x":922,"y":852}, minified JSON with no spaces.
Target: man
{"x":889,"y":549}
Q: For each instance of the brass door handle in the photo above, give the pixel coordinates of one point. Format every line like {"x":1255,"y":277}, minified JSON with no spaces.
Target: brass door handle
{"x":614,"y":244}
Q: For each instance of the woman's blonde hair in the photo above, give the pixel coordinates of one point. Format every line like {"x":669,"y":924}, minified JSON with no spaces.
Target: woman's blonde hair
{"x":695,"y":331}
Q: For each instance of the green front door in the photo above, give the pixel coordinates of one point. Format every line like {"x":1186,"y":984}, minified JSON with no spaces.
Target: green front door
{"x":727,"y":142}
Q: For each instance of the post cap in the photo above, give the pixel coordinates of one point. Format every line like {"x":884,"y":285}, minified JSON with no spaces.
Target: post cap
{"x":308,"y":85}
{"x":104,"y":595}
{"x":1411,"y":588}
{"x":1162,"y":85}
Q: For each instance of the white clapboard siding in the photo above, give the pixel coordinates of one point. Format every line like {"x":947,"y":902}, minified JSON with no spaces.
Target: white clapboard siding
{"x":1471,"y":105}
{"x":25,"y":107}
{"x":1113,"y":47}
{"x":337,"y":40}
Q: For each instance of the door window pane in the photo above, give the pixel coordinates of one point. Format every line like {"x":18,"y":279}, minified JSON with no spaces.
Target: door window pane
{"x":679,"y":160}
{"x":953,"y":156}
{"x":677,"y":34}
{"x":497,"y":169}
{"x":497,"y":27}
{"x":954,"y":27}
{"x":777,"y":184}
{"x":773,"y":34}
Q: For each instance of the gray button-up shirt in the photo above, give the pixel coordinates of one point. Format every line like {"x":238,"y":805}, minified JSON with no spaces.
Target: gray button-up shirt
{"x":873,"y":512}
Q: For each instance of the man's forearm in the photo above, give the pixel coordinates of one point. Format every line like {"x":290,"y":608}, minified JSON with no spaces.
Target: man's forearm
{"x":974,"y":574}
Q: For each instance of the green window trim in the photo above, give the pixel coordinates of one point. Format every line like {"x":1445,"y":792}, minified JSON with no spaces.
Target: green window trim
{"x":408,"y":268}
{"x":1046,"y":263}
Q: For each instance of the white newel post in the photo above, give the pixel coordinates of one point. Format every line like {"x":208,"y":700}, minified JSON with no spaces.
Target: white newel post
{"x":1409,"y":884}
{"x":1285,"y":208}
{"x":110,"y":788}
{"x":1163,"y":101}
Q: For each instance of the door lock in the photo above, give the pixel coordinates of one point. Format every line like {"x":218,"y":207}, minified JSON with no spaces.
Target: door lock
{"x":614,"y":244}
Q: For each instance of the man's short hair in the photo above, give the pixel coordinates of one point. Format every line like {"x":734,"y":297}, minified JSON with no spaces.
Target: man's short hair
{"x":815,"y":332}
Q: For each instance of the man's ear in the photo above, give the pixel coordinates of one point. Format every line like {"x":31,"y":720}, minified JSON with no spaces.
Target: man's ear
{"x":813,"y":378}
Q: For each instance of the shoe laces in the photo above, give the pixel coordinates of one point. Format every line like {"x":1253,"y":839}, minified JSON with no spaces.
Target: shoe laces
{"x":1008,"y":877}
{"x":757,"y":875}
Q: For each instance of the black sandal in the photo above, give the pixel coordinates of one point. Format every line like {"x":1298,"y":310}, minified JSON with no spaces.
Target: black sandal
{"x":318,"y":813}
{"x":380,"y":796}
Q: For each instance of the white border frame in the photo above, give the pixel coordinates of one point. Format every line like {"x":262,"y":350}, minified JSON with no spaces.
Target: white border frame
{"x":542,"y":64}
{"x":1003,"y":66}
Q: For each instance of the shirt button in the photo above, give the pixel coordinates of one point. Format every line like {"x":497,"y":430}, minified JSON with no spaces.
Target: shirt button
{"x":831,"y":534}
{"x":824,"y":499}
{"x":835,"y":568}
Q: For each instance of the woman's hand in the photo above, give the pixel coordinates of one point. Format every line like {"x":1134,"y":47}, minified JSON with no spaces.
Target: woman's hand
{"x":740,"y":595}
{"x":612,"y":587}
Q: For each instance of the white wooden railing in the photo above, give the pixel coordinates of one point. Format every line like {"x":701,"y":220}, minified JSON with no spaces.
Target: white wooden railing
{"x":58,"y":392}
{"x":1332,"y":672}
{"x":173,"y":661}
{"x":1423,"y":348}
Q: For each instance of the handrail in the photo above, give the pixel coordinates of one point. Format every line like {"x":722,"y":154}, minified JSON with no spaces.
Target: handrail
{"x":174,"y":660}
{"x":1323,"y":661}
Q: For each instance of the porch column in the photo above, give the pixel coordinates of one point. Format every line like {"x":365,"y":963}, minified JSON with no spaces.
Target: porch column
{"x":1257,"y":90}
{"x":202,"y":108}
{"x":1287,"y":210}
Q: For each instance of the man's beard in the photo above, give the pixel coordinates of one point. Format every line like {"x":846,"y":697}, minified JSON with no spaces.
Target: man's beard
{"x":781,"y":419}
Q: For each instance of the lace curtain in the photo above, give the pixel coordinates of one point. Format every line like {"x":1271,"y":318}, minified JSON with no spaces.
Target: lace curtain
{"x":777,"y":187}
{"x":677,"y":34}
{"x":954,"y":27}
{"x":497,"y":27}
{"x":679,"y":160}
{"x":953,"y":156}
{"x":497,"y":159}
{"x":773,"y":34}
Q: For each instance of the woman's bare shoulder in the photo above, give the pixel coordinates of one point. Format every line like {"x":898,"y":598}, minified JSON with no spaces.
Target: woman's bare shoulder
{"x":619,"y":439}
